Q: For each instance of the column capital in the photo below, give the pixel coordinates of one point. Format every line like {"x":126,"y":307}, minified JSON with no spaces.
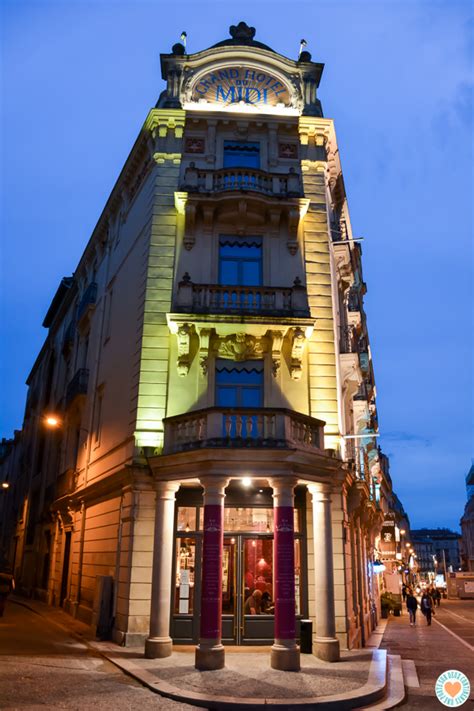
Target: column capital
{"x":166,"y":489}
{"x":319,"y":491}
{"x":214,"y":488}
{"x":283,"y":489}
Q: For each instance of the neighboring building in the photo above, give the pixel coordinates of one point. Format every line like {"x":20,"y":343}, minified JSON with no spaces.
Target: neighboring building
{"x":210,"y":366}
{"x":437,"y":550}
{"x":467,"y":524}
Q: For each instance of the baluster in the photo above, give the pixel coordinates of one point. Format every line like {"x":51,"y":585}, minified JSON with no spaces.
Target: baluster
{"x":270,"y":426}
{"x":246,"y":426}
{"x":260,"y":427}
{"x":238,"y":425}
{"x":227,"y":424}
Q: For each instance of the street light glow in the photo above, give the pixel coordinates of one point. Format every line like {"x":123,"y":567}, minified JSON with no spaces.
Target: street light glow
{"x":246,"y":481}
{"x":5,"y":485}
{"x":52,"y":421}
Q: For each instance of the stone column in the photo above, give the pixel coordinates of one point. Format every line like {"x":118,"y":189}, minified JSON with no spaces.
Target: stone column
{"x":327,"y":645}
{"x":159,"y":642}
{"x":210,"y":650}
{"x":285,"y":654}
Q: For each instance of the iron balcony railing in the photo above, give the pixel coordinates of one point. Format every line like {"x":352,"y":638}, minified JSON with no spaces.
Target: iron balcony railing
{"x":242,"y":428}
{"x":219,"y":299}
{"x":197,"y":180}
{"x":77,"y":386}
{"x":89,"y":298}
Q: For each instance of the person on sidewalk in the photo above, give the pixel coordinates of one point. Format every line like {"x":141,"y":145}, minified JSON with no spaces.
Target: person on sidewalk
{"x":412,"y":606}
{"x":437,"y":597}
{"x":426,"y":606}
{"x":404,"y":592}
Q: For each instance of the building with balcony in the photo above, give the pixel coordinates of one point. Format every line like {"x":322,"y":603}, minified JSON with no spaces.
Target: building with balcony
{"x":210,"y":366}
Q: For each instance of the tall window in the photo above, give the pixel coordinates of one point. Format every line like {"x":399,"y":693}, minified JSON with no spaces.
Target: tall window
{"x":241,"y":154}
{"x":239,"y":384}
{"x":240,"y":261}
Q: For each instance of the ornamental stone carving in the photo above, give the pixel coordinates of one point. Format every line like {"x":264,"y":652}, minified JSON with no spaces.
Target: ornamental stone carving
{"x":277,"y":342}
{"x":241,"y":346}
{"x":297,"y":346}
{"x":184,"y":341}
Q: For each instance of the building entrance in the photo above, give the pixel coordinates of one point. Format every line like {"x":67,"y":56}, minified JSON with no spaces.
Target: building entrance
{"x":247,"y":590}
{"x":247,"y":569}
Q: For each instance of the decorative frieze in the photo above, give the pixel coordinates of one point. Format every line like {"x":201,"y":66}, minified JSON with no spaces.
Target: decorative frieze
{"x":241,"y":346}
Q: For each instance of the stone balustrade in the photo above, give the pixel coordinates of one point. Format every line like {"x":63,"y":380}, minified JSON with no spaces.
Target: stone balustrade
{"x":198,"y":180}
{"x":242,"y":427}
{"x":218,"y":299}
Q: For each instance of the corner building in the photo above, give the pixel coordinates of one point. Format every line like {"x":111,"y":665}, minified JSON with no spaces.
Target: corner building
{"x":210,"y":364}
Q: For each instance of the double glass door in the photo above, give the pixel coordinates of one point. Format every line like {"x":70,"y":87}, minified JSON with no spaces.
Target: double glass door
{"x":247,"y":589}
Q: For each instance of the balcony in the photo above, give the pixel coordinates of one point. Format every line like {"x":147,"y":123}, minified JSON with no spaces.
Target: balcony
{"x":77,"y":386}
{"x":68,"y":338}
{"x":87,"y":302}
{"x":236,"y":300}
{"x":241,"y":179}
{"x":244,"y":428}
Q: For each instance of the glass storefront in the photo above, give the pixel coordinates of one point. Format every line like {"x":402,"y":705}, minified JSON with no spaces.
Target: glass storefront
{"x":247,"y":572}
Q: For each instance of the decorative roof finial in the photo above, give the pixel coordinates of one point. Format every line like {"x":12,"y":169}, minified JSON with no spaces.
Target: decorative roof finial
{"x":242,"y":32}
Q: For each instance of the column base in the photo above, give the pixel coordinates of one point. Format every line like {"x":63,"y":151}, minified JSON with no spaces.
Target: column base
{"x":158,"y":647}
{"x":209,"y":656}
{"x":327,"y":649}
{"x":285,"y":656}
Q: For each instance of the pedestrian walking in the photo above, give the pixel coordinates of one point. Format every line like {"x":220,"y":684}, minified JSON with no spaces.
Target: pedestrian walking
{"x":7,"y":586}
{"x":404,"y":592}
{"x":437,"y":596}
{"x":412,"y":606}
{"x":426,"y":606}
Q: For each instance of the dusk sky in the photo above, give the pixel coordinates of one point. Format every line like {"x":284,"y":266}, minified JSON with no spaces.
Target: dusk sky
{"x":78,"y":80}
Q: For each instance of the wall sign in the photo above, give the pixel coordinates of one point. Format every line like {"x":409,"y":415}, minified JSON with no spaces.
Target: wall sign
{"x":233,"y":85}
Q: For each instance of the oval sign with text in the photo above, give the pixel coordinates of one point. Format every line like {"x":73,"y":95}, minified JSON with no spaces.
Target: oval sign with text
{"x":234,"y":85}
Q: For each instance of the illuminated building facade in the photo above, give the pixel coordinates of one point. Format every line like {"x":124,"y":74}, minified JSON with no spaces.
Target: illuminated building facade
{"x":210,"y":365}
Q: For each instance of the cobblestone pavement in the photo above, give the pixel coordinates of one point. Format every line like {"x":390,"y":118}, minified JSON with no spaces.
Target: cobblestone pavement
{"x":434,"y":649}
{"x":44,"y":667}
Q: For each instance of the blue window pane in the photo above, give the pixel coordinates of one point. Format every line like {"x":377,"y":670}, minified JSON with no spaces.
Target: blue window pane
{"x":226,"y":397}
{"x":241,"y":251}
{"x":251,"y":397}
{"x":251,"y":273}
{"x":241,"y":154}
{"x":229,"y":272}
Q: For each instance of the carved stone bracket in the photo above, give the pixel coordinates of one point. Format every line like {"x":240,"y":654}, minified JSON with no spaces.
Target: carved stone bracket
{"x":241,"y":346}
{"x":274,"y":222}
{"x":204,"y":338}
{"x":189,"y":225}
{"x":297,"y":346}
{"x":293,"y":222}
{"x":277,"y":342}
{"x":184,"y":342}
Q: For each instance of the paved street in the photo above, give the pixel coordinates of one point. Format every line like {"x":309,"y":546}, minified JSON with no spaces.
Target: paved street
{"x":435,"y":649}
{"x":42,"y":666}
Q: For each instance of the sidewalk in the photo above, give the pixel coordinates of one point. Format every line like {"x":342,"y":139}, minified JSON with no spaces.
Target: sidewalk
{"x":247,"y":682}
{"x":427,"y":652}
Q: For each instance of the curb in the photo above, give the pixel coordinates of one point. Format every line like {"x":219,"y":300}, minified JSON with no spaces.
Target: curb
{"x":373,"y":690}
{"x":369,"y":693}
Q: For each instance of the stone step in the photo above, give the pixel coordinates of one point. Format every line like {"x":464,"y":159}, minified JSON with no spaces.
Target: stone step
{"x":395,"y":693}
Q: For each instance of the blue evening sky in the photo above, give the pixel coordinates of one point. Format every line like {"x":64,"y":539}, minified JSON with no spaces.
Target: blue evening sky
{"x":78,"y":80}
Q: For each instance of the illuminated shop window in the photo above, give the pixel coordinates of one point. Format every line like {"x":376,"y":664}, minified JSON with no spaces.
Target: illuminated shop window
{"x":185,"y":567}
